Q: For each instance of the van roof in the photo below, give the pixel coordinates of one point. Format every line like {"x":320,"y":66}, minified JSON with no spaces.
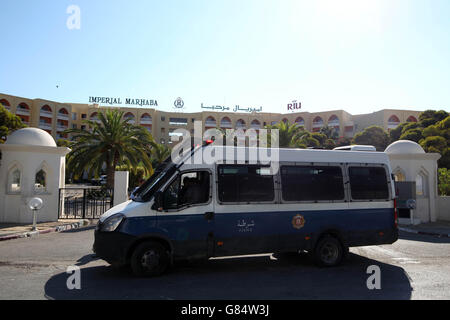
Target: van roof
{"x":357,"y":148}
{"x":222,"y":153}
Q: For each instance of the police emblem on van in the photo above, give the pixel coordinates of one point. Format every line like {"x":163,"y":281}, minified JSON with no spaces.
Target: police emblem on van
{"x":298,"y":221}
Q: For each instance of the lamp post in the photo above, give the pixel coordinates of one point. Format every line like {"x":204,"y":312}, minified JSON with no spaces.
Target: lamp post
{"x":35,"y":204}
{"x":411,"y":204}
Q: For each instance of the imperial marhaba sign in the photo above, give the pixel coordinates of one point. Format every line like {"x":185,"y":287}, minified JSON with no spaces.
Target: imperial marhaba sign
{"x":129,"y":101}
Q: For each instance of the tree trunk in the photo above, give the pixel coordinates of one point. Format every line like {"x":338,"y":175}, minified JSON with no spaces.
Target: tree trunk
{"x":110,"y":176}
{"x":111,"y":169}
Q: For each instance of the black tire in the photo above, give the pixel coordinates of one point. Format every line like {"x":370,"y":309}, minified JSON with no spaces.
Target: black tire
{"x":150,"y":259}
{"x":328,"y":252}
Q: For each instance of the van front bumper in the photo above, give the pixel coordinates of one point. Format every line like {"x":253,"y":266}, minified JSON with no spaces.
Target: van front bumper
{"x":113,"y":247}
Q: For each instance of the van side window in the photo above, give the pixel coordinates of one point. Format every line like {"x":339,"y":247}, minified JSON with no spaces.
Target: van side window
{"x":312,"y":183}
{"x":368,"y":183}
{"x":245,"y":183}
{"x":187,"y":189}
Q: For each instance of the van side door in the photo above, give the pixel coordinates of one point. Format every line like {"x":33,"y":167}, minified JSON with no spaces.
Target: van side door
{"x":187,"y":201}
{"x":245,"y":210}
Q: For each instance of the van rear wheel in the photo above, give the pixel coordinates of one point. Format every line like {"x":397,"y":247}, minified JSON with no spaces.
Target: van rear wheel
{"x":150,"y":259}
{"x":328,"y":252}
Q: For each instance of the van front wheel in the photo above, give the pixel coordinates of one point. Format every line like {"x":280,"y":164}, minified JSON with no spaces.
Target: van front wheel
{"x":149,"y":259}
{"x":328,"y":252}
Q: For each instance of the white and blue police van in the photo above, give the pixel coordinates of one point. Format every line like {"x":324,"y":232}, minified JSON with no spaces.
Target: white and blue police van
{"x":319,"y":201}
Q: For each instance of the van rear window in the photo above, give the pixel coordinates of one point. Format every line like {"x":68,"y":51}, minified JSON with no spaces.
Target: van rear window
{"x":312,"y":183}
{"x":245,"y":183}
{"x":368,"y":183}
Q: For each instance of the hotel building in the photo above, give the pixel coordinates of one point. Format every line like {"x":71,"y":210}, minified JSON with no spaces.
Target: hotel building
{"x":55,"y":117}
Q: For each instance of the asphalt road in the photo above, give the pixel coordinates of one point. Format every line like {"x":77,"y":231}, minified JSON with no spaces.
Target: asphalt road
{"x":415,"y":267}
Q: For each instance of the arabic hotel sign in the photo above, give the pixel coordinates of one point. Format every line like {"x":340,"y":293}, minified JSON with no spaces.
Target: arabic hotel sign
{"x":235,"y":109}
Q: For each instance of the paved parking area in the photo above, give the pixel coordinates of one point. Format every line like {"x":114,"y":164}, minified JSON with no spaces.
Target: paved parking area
{"x":415,"y":267}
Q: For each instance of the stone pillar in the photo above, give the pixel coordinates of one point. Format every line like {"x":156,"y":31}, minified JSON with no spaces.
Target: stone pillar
{"x":120,"y":187}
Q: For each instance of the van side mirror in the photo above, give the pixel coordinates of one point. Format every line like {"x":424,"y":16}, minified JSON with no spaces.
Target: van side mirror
{"x":158,"y":204}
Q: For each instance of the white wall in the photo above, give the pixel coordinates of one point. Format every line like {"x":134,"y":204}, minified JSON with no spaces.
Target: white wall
{"x":443,"y":208}
{"x":13,"y":207}
{"x":426,"y":164}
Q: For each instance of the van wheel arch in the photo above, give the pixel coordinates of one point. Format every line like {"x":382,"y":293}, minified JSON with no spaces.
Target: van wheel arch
{"x":330,"y":233}
{"x":164,"y":242}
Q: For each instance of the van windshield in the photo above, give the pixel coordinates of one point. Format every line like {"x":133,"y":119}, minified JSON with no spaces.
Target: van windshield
{"x":163,"y":172}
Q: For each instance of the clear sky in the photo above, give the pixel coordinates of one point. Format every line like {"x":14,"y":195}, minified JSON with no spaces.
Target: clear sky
{"x":356,"y":55}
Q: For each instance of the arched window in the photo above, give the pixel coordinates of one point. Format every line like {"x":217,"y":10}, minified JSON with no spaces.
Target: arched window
{"x":63,"y":111}
{"x":23,"y":112}
{"x":255,"y":124}
{"x":210,"y":122}
{"x":318,"y":121}
{"x":6,"y":104}
{"x":46,"y":108}
{"x":299,"y":122}
{"x":411,"y":119}
{"x":399,"y":176}
{"x":285,"y":120}
{"x":225,"y":123}
{"x":14,"y":180}
{"x":393,"y":122}
{"x":146,"y":121}
{"x":45,"y":118}
{"x":94,"y":116}
{"x":333,"y":121}
{"x":240,"y":124}
{"x":421,"y":185}
{"x":317,"y":124}
{"x":40,"y":182}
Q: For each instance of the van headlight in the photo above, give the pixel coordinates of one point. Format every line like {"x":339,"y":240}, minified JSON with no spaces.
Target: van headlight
{"x":111,"y":223}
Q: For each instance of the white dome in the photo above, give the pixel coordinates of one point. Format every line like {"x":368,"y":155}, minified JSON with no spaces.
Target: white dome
{"x":31,"y":137}
{"x":404,"y":147}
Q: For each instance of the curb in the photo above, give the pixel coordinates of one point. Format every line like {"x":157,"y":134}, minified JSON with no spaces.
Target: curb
{"x":64,"y":227}
{"x":424,"y":232}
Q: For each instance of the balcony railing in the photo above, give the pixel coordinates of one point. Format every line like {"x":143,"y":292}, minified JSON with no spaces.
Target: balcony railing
{"x":146,"y":121}
{"x":45,"y":125}
{"x":60,"y":128}
{"x":210,"y":123}
{"x":46,"y":114}
{"x":23,"y":112}
{"x":317,"y":124}
{"x":63,"y":116}
{"x":393,"y":124}
{"x":333,"y":123}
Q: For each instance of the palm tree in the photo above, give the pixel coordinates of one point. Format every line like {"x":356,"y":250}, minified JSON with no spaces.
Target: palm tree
{"x":110,"y":142}
{"x":289,"y":135}
{"x":159,"y":153}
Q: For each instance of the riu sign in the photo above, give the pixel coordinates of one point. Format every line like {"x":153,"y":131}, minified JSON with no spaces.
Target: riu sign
{"x":294,"y":105}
